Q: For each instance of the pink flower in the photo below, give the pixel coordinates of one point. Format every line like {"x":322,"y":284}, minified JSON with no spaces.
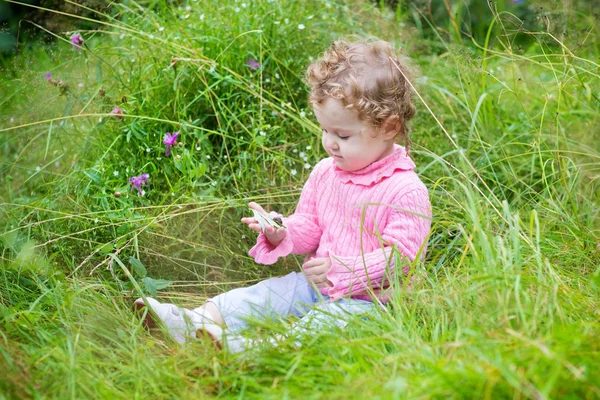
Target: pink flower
{"x":48,"y":75}
{"x":77,"y":41}
{"x":170,"y":140}
{"x":253,"y":64}
{"x":117,"y":112}
{"x":139,"y":181}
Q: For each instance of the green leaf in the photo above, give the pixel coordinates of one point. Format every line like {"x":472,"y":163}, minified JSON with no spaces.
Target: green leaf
{"x":138,"y":268}
{"x":106,"y":248}
{"x":149,"y":285}
{"x":153,"y":285}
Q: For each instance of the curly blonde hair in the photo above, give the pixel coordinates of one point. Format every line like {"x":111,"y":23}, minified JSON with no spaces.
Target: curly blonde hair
{"x":363,"y":76}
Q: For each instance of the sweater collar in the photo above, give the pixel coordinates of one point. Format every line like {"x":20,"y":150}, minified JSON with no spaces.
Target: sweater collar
{"x":379,"y":170}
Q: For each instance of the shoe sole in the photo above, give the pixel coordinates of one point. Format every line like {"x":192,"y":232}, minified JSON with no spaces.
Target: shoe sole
{"x":205,"y":333}
{"x":148,"y":321}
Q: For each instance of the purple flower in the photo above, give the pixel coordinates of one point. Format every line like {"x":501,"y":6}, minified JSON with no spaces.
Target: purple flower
{"x":170,"y":140}
{"x":77,"y":41}
{"x":139,"y":181}
{"x":48,"y":75}
{"x":253,"y":64}
{"x":117,"y":112}
{"x":517,"y":1}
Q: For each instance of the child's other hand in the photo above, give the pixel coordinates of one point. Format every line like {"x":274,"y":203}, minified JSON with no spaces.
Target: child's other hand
{"x":274,"y":235}
{"x":316,"y":271}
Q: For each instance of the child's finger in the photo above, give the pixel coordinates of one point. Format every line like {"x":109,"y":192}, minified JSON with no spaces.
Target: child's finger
{"x":256,"y":206}
{"x":255,"y":227}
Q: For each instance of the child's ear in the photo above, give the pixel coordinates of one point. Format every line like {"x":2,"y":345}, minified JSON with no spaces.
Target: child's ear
{"x":391,"y":127}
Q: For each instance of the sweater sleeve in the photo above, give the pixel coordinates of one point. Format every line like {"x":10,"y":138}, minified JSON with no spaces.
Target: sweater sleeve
{"x":303,"y":230}
{"x":407,"y":229}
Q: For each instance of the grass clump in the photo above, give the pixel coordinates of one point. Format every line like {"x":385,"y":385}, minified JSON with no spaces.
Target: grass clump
{"x":504,"y":139}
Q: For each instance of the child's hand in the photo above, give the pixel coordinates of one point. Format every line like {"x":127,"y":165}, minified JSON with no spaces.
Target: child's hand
{"x":274,"y":235}
{"x":316,"y":271}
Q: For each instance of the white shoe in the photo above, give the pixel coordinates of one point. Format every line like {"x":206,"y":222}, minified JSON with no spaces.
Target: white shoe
{"x":205,"y":326}
{"x":178,"y":324}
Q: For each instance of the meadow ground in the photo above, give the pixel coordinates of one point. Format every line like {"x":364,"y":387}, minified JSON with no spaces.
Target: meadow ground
{"x":505,"y":138}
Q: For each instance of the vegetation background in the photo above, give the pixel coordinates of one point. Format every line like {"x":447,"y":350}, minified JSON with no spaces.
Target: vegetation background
{"x":505,"y":138}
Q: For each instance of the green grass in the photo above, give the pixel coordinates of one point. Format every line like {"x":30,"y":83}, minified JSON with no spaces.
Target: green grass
{"x":505,"y":139}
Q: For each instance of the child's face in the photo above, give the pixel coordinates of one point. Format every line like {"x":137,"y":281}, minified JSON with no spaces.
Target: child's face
{"x":352,"y":143}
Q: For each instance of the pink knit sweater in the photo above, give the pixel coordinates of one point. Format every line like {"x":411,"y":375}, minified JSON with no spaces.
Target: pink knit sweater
{"x":355,"y":219}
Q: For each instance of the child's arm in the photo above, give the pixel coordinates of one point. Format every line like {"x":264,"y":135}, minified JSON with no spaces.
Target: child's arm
{"x":302,"y":232}
{"x":406,"y":230}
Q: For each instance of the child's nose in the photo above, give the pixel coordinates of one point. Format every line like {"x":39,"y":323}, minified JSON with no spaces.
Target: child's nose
{"x":331,"y":143}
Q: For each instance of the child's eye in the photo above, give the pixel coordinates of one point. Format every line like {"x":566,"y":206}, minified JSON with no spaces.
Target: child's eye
{"x":343,"y":137}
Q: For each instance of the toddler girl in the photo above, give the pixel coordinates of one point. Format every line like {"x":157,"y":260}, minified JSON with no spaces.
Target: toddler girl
{"x":363,"y":214}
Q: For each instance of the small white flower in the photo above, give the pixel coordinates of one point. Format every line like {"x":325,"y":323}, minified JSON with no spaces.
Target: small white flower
{"x":301,"y":26}
{"x":310,"y":17}
{"x":308,"y":147}
{"x":208,"y":156}
{"x":225,"y":156}
{"x":158,"y":158}
{"x":133,"y":60}
{"x":295,"y":151}
{"x":12,"y":119}
{"x":267,"y":80}
{"x":454,"y":136}
{"x":201,"y":17}
{"x":188,"y":8}
{"x":151,"y":36}
{"x":57,"y":164}
{"x":121,"y":36}
{"x":293,"y":172}
{"x":186,"y":16}
{"x":178,"y":156}
{"x":302,"y":154}
{"x":214,"y":183}
{"x":198,"y":148}
{"x":142,"y":193}
{"x":147,"y":149}
{"x":162,"y":28}
{"x":302,"y":114}
{"x":276,"y":22}
{"x":96,"y":220}
{"x":310,"y":58}
{"x":237,"y":9}
{"x":287,"y":21}
{"x":38,"y":168}
{"x":116,"y":173}
{"x":80,"y":84}
{"x":100,"y":119}
{"x":307,"y":166}
{"x":243,"y":236}
{"x":262,"y":133}
{"x":244,"y":5}
{"x":277,"y":75}
{"x":172,"y":193}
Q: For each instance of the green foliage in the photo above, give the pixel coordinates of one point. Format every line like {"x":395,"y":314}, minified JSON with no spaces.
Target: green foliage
{"x":504,"y":139}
